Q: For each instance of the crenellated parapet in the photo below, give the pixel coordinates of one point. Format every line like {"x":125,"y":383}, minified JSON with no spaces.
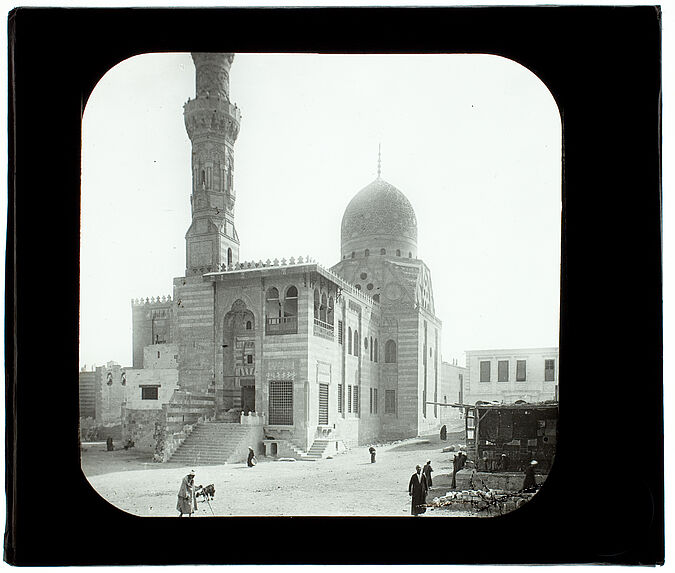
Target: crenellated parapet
{"x":151,"y":301}
{"x":292,"y":262}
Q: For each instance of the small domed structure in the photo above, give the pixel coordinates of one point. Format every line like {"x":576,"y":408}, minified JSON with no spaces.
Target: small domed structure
{"x":379,"y":220}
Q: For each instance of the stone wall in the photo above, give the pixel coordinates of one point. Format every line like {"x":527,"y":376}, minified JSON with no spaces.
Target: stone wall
{"x":151,"y":319}
{"x":165,"y":380}
{"x":193,"y":331}
{"x":160,"y":356}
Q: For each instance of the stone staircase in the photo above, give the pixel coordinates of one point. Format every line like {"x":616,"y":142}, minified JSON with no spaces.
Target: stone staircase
{"x":212,"y":443}
{"x":318,"y":450}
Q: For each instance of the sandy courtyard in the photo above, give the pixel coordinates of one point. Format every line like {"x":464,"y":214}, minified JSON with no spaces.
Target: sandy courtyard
{"x":347,"y":485}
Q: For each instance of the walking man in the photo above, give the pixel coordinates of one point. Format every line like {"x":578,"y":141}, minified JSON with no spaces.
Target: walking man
{"x":187,"y":502}
{"x":371,"y":449}
{"x":251,"y":460}
{"x":417,"y":489}
{"x":530,"y":483}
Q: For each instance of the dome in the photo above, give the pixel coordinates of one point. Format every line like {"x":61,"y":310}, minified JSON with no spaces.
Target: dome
{"x":377,"y":212}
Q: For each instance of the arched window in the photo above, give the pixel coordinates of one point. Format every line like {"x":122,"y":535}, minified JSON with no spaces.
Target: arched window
{"x":323,"y":309}
{"x":349,"y":340}
{"x":356,"y":343}
{"x":203,"y":180}
{"x":383,"y":251}
{"x":365,"y":343}
{"x":249,"y":325}
{"x":272,"y":303}
{"x":229,"y":257}
{"x":317,"y":303}
{"x":398,"y":252}
{"x":331,"y":311}
{"x":371,"y":348}
{"x":390,"y":351}
{"x":291,"y":302}
{"x":375,"y":346}
{"x":367,"y":252}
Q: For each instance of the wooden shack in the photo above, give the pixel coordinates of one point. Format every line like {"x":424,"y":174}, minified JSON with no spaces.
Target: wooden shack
{"x":506,"y":437}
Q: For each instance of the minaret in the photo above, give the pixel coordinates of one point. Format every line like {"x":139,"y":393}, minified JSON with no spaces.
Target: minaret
{"x":212,"y":123}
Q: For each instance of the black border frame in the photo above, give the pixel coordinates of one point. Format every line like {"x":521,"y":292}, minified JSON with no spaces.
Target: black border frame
{"x":603,"y":502}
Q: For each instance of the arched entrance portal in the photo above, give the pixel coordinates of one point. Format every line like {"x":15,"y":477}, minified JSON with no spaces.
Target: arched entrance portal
{"x":239,"y":330}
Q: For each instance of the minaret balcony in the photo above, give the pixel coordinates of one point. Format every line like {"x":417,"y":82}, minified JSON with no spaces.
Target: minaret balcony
{"x":211,"y":105}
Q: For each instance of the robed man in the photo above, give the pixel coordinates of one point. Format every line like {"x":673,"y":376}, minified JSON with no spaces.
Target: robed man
{"x":417,"y":489}
{"x":457,"y":465}
{"x":187,"y":501}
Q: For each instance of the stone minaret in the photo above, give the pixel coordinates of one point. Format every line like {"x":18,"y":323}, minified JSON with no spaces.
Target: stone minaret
{"x":212,"y":123}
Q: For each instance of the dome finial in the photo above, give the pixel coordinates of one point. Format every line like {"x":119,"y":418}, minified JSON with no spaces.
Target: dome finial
{"x":379,"y":159}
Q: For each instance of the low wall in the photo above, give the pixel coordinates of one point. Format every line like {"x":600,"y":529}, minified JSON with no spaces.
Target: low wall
{"x":143,"y":427}
{"x":161,"y":430}
{"x":506,"y":481}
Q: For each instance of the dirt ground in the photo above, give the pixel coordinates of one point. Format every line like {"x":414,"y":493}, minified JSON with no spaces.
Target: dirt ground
{"x":347,"y":485}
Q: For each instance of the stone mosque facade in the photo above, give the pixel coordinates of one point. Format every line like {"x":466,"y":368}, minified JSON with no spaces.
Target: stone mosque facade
{"x":349,"y":353}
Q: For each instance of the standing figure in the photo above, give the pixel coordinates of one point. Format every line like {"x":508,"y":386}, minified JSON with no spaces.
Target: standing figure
{"x":426,"y":470}
{"x":417,"y":489}
{"x":457,"y":464}
{"x":187,"y":502}
{"x":530,"y":483}
{"x":109,"y":444}
{"x":444,"y":433}
{"x":371,"y":449}
{"x":251,"y":461}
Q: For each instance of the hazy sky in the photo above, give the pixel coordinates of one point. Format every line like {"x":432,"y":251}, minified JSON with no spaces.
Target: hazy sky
{"x":473,"y":141}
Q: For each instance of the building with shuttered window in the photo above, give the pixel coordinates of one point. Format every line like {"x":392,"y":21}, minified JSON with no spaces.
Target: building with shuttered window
{"x":508,"y":375}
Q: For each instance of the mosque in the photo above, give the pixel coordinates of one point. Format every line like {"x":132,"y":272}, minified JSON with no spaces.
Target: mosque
{"x":349,"y":353}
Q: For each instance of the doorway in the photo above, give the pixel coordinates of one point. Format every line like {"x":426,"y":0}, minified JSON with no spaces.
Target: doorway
{"x":247,"y":396}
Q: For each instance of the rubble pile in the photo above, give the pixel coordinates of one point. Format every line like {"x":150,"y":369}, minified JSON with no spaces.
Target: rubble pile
{"x":490,"y":502}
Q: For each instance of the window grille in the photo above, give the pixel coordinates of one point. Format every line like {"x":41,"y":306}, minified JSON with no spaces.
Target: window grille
{"x":340,"y":340}
{"x":281,"y":402}
{"x":341,"y":399}
{"x":390,"y":401}
{"x":149,"y":393}
{"x":323,"y":404}
{"x":485,"y":371}
{"x":390,"y":351}
{"x":503,"y":371}
{"x":371,"y":400}
{"x":549,"y":370}
{"x":349,"y":340}
{"x":356,"y":399}
{"x":349,"y":399}
{"x":375,"y":400}
{"x":521,"y":370}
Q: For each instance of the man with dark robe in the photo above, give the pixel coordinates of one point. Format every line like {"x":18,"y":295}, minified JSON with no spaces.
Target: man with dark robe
{"x":417,"y":489}
{"x":457,"y":464}
{"x":426,"y":470}
{"x":251,"y":460}
{"x":187,"y":502}
{"x":530,"y":483}
{"x":371,"y":449}
{"x":444,"y":433}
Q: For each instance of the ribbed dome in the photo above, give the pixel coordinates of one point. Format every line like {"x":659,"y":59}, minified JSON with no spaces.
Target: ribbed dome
{"x":379,"y":209}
